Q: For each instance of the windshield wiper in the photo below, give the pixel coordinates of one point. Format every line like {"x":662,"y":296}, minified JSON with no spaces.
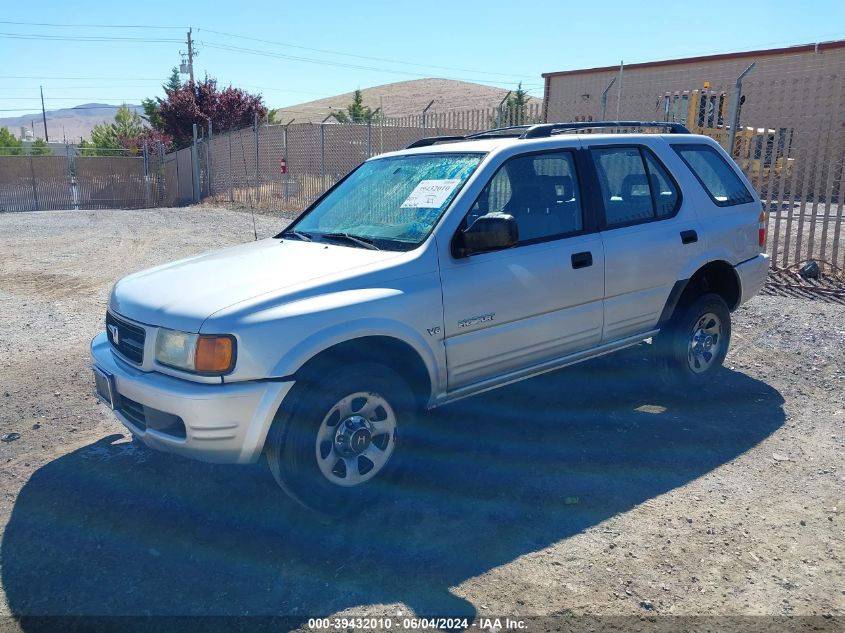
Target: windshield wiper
{"x":354,"y":239}
{"x":298,"y":234}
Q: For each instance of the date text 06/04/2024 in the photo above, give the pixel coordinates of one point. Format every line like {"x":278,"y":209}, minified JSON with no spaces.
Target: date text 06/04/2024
{"x":415,"y":624}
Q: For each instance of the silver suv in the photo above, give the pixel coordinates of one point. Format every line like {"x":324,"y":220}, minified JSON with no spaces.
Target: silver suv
{"x":457,"y":265}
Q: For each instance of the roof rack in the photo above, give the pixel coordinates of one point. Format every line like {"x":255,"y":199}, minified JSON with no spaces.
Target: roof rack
{"x":544,"y":130}
{"x":511,"y":131}
{"x":431,"y":140}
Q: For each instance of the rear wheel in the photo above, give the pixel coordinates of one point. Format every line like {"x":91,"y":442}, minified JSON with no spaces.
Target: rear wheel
{"x":334,"y":445}
{"x":692,"y":348}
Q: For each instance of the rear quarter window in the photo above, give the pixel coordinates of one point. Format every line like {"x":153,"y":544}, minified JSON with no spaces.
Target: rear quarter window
{"x":718,"y":178}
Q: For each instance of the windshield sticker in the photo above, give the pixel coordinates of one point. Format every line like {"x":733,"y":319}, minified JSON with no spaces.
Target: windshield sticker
{"x":430,"y":194}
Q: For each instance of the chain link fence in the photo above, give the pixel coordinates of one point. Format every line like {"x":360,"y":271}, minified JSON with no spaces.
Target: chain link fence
{"x":70,"y":179}
{"x":792,"y":152}
{"x":286,"y":167}
{"x":784,"y":129}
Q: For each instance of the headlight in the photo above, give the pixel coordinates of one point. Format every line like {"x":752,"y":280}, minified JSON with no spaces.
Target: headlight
{"x":199,"y":353}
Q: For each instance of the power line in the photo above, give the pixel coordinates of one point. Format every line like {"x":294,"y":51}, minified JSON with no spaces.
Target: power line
{"x":245,"y":50}
{"x":323,"y":62}
{"x":24,"y":88}
{"x":305,"y":92}
{"x":97,"y":107}
{"x":85,"y":38}
{"x":229,"y":48}
{"x":253,"y":86}
{"x":239,"y":49}
{"x":368,"y":57}
{"x":69,"y":99}
{"x":225,"y":34}
{"x":93,"y":26}
{"x":158,"y":79}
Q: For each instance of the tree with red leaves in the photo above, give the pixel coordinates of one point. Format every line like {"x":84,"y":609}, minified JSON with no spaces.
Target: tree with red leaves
{"x":227,"y":109}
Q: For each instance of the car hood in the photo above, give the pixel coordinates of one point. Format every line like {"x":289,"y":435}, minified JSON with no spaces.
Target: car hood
{"x":182,"y":294}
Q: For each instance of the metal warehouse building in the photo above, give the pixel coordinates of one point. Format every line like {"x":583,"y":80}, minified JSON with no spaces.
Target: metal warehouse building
{"x":788,"y":87}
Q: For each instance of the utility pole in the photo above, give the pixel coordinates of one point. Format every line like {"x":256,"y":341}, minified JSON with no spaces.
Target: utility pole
{"x":191,"y":56}
{"x":44,"y":114}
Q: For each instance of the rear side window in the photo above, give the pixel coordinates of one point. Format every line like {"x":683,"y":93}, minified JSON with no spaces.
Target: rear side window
{"x":635,"y":187}
{"x":715,"y":174}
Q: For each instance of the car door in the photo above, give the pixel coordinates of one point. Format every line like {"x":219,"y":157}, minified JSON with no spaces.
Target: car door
{"x":649,"y":233}
{"x":539,"y":300}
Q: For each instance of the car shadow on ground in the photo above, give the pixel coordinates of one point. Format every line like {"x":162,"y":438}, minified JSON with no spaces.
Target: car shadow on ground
{"x":117,"y":529}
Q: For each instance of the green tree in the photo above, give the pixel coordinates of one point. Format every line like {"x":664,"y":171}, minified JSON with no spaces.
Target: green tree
{"x":516,"y":108}
{"x":174,"y":82}
{"x":127,"y":124}
{"x":10,"y":145}
{"x":87,"y":148}
{"x":152,"y":106}
{"x":151,"y":112}
{"x":39,"y":147}
{"x":356,"y":112}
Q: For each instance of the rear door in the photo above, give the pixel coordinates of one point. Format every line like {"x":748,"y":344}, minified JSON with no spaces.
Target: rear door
{"x":542,"y":299}
{"x":649,"y":233}
{"x":730,"y":214}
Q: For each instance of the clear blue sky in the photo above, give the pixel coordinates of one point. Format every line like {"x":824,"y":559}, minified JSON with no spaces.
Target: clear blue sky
{"x":493,"y":41}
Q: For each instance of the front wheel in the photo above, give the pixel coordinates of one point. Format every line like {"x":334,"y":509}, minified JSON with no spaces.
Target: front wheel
{"x":692,"y":347}
{"x":335,"y":441}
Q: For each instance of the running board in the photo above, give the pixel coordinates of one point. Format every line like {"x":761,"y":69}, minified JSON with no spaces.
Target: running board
{"x":540,"y":368}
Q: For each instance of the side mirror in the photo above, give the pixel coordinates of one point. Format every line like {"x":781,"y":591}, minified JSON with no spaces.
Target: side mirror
{"x":491,"y":232}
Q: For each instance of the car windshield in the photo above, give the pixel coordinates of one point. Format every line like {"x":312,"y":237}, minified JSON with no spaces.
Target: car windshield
{"x":392,"y":202}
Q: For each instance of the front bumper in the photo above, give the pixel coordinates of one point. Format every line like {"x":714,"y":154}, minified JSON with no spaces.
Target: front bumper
{"x":752,"y":275}
{"x":225,"y":422}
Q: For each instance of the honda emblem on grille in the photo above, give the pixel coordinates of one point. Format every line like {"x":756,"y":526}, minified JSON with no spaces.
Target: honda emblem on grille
{"x":115,"y":334}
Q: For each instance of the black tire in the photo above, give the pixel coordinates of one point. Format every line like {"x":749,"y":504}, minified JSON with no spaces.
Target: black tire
{"x":294,"y":454}
{"x":680,"y":367}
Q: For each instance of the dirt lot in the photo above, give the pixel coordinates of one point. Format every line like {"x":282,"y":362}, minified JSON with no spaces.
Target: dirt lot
{"x":579,"y":492}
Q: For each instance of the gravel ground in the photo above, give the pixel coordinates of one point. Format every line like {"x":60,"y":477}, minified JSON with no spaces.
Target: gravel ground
{"x":579,"y":492}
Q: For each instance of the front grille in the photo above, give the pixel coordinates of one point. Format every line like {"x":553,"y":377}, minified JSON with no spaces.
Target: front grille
{"x":129,"y":339}
{"x":134,"y":411}
{"x":145,"y":417}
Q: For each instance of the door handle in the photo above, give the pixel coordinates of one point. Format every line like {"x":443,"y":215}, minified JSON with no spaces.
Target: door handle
{"x":689,"y":237}
{"x":582,"y":260}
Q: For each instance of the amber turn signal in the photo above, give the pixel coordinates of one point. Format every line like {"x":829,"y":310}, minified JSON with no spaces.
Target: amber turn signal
{"x":214,"y":354}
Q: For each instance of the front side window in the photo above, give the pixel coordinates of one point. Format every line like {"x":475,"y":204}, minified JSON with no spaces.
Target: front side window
{"x":717,"y":177}
{"x":391,"y":202}
{"x":540,"y":191}
{"x":635,"y":187}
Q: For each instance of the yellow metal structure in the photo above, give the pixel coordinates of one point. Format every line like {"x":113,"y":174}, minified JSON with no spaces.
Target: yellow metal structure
{"x":756,"y":150}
